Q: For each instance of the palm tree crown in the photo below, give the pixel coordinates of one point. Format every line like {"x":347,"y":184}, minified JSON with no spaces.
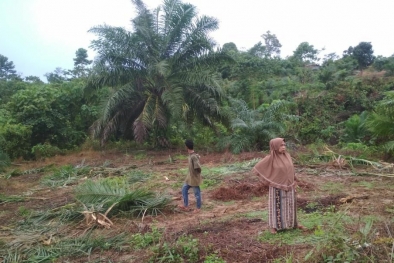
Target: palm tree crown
{"x":164,"y":69}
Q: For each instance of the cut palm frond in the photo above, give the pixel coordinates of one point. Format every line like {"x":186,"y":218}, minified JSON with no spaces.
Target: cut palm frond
{"x":101,"y":195}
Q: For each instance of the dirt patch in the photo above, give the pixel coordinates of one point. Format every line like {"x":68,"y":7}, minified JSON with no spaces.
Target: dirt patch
{"x":313,"y":205}
{"x":239,"y":191}
{"x":235,"y":241}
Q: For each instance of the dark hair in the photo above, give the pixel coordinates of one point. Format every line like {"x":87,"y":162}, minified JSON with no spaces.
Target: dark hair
{"x":189,"y":144}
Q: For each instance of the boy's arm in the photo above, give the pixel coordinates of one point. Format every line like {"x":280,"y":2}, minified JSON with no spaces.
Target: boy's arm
{"x":196,"y":164}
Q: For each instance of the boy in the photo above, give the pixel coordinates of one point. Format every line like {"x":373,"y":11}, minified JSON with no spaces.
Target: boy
{"x":193,"y":178}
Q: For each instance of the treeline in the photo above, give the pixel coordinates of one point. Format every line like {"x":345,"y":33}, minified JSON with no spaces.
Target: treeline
{"x":167,"y":80}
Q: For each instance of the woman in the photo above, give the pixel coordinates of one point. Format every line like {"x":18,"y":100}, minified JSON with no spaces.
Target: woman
{"x":278,"y":171}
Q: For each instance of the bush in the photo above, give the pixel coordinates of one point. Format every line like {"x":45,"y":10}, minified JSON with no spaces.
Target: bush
{"x":16,"y":140}
{"x":45,"y":150}
{"x":4,"y":160}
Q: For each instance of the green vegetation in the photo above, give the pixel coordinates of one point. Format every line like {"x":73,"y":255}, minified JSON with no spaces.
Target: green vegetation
{"x":222,"y":98}
{"x":107,"y":195}
{"x":145,"y":240}
{"x":163,"y":81}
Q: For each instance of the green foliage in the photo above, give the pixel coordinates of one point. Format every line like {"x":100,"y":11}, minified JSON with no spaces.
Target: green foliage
{"x":252,"y":129}
{"x":363,"y":53}
{"x":45,"y":150}
{"x":355,"y":129}
{"x":140,"y":240}
{"x":4,"y":160}
{"x":359,"y":150}
{"x":9,"y":199}
{"x":164,"y":70}
{"x":24,"y":212}
{"x":135,"y":176}
{"x":387,"y":65}
{"x":63,"y":176}
{"x":213,"y":258}
{"x":15,"y":140}
{"x":305,"y":53}
{"x":381,"y":122}
{"x":53,"y":114}
{"x":332,"y":244}
{"x":9,"y":88}
{"x":103,"y":194}
{"x":65,"y":250}
{"x":289,"y":237}
{"x":7,"y":69}
{"x":185,"y":249}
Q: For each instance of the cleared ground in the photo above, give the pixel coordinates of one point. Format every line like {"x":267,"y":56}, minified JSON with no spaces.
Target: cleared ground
{"x":232,"y":225}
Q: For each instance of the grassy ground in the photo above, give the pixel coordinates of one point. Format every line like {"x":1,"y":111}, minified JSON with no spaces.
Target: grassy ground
{"x":349,"y":218}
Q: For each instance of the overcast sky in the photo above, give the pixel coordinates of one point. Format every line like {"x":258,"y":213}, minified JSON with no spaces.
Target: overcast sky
{"x":41,"y":35}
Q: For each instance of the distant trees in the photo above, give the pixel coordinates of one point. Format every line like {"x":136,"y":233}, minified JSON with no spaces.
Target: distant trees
{"x":270,"y":49}
{"x":362,"y":53}
{"x":385,"y":63}
{"x":272,"y":44}
{"x":165,"y":80}
{"x":81,"y":63}
{"x":59,"y":75}
{"x":81,"y":69}
{"x":7,"y":69}
{"x":305,"y":53}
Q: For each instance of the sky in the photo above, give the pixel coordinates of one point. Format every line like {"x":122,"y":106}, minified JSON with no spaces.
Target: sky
{"x":39,"y":36}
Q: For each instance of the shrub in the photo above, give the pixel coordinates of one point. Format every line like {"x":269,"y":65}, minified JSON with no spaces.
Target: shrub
{"x":45,"y":150}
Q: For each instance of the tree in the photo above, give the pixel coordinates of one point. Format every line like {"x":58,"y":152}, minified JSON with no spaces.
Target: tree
{"x":305,"y":53}
{"x":381,"y":122}
{"x":7,"y":70}
{"x":81,"y":58}
{"x":59,"y":75}
{"x":386,"y":64}
{"x":252,"y":129}
{"x":363,"y":53}
{"x":271,"y":48}
{"x":230,"y":47}
{"x":81,"y":63}
{"x":33,"y":79}
{"x":272,"y":44}
{"x":55,"y":114}
{"x":257,"y":50}
{"x":164,"y":69}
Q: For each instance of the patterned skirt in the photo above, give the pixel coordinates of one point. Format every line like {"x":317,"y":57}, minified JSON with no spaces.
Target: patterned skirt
{"x":282,"y":209}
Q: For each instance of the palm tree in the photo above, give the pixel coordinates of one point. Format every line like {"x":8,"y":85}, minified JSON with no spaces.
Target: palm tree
{"x":252,"y":129}
{"x":381,"y":122}
{"x":166,"y":68}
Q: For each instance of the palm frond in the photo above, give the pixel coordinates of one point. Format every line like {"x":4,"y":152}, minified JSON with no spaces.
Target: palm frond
{"x":104,"y":194}
{"x":389,"y":147}
{"x":100,"y":193}
{"x":173,"y":99}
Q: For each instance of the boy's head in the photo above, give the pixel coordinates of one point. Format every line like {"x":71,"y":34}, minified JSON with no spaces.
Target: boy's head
{"x":189,"y":144}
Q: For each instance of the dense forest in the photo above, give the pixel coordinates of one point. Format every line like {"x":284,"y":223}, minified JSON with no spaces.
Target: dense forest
{"x":167,"y":80}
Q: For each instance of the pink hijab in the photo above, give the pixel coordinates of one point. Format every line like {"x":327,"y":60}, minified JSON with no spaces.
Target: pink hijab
{"x":276,"y":168}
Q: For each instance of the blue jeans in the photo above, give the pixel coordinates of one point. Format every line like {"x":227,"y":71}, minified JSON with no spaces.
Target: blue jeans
{"x":185,"y":194}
